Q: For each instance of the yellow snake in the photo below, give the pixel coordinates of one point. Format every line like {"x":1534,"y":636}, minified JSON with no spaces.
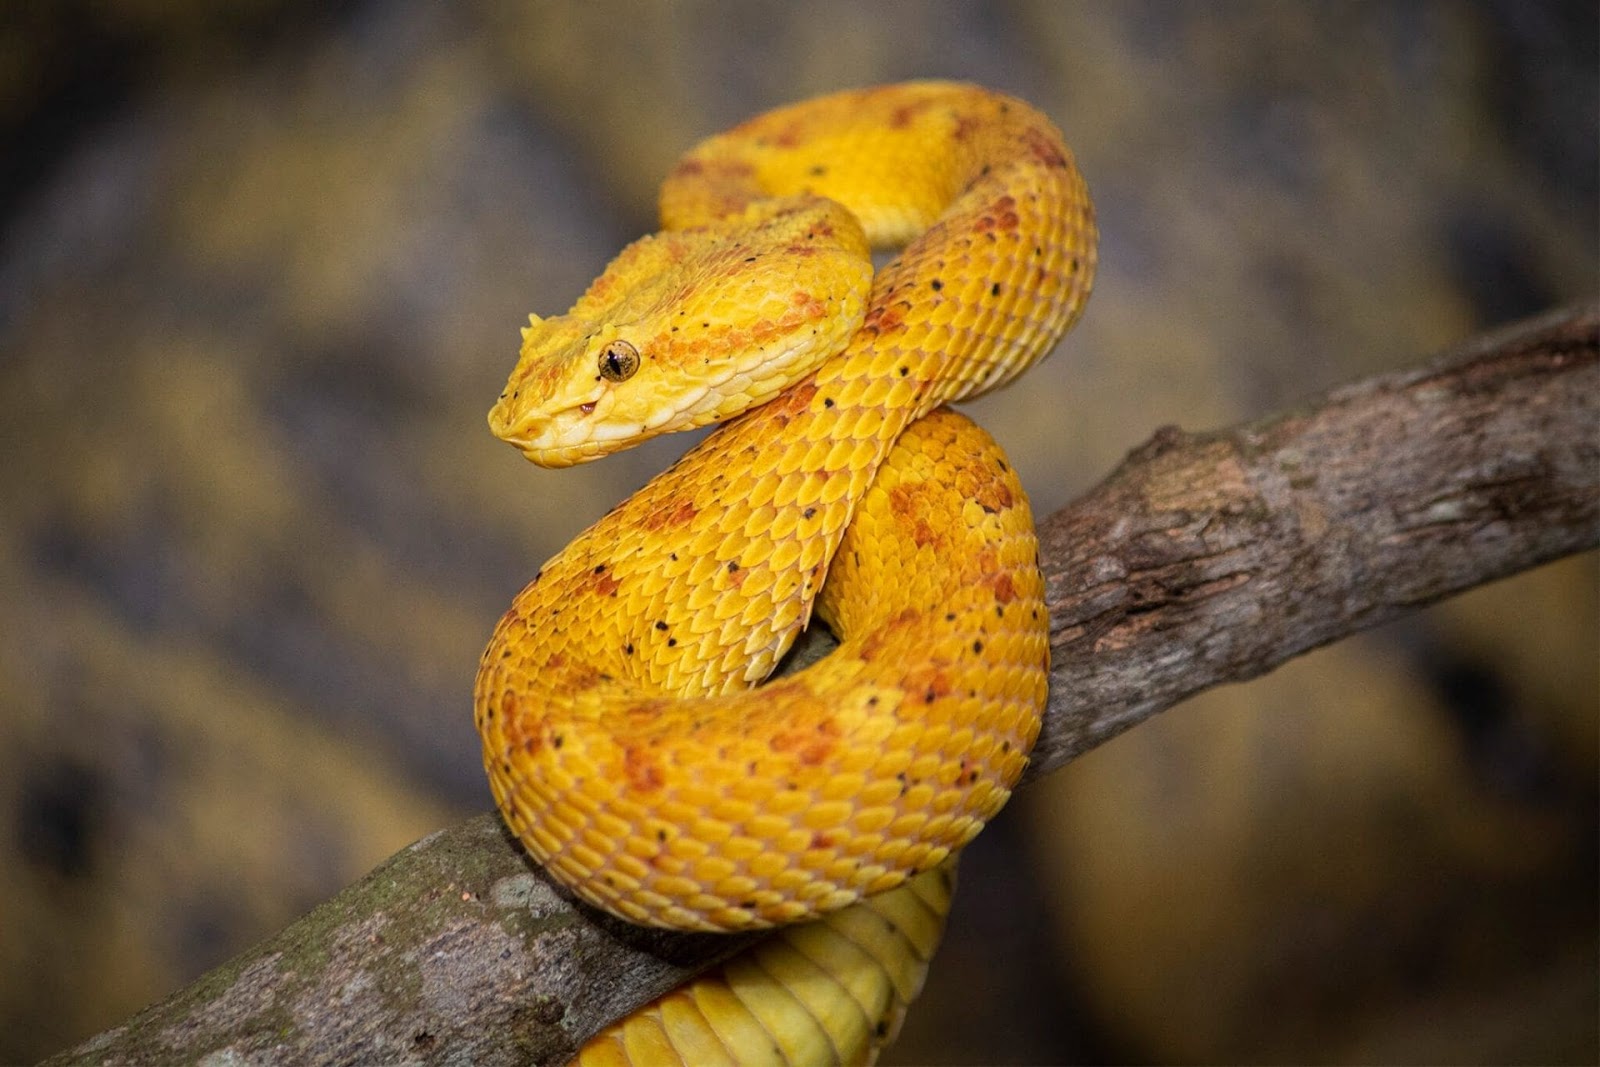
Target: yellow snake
{"x":623,"y":742}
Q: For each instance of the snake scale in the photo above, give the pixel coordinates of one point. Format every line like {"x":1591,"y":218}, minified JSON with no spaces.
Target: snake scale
{"x":624,"y":742}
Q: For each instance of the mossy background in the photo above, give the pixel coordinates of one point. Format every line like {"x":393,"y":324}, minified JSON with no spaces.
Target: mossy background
{"x":262,"y":267}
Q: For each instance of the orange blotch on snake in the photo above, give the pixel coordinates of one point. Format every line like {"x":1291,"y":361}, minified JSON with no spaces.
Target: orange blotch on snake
{"x":817,"y":751}
{"x":798,"y":398}
{"x":902,"y":116}
{"x":875,"y":641}
{"x":602,"y":287}
{"x":643,"y":773}
{"x":881,"y":319}
{"x":671,"y":516}
{"x":807,"y":308}
{"x":902,"y":501}
{"x":811,"y":747}
{"x":789,"y":136}
{"x":1044,"y":149}
{"x":713,"y":170}
{"x":994,"y":496}
{"x":932,"y":682}
{"x":1003,"y":218}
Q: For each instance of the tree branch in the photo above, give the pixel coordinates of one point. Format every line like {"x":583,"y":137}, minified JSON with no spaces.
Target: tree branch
{"x":1211,"y":558}
{"x":1206,"y":558}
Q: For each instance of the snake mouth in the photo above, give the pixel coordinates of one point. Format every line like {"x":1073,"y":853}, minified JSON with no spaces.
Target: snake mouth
{"x":563,"y":439}
{"x":555,"y":457}
{"x":593,"y":428}
{"x":555,"y":450}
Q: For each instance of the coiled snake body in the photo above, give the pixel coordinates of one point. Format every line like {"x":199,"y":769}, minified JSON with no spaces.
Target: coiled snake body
{"x":623,"y":742}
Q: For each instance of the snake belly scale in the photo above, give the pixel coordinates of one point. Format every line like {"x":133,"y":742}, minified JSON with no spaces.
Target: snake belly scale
{"x":623,"y":741}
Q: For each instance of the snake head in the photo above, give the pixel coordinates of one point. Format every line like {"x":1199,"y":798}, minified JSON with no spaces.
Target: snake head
{"x":558,"y":406}
{"x":686,"y":328}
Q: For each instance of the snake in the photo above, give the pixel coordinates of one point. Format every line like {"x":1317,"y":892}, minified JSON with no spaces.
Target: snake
{"x":628,"y":739}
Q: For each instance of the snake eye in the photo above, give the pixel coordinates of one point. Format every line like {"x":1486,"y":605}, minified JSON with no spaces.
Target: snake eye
{"x":618,"y":361}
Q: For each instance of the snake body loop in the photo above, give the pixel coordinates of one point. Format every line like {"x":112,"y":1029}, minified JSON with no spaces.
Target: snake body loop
{"x":623,"y":743}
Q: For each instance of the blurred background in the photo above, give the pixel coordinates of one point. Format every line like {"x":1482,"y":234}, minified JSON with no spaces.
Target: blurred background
{"x":262,"y":267}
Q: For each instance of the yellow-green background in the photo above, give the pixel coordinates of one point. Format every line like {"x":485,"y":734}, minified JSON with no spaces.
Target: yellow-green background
{"x":262,"y":267}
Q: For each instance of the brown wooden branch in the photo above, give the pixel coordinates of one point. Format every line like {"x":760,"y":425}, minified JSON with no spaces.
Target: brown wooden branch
{"x":1205,"y":559}
{"x":1211,"y":558}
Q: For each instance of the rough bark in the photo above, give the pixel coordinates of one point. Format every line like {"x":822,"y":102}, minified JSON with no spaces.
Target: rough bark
{"x":1211,"y":558}
{"x":1206,"y":558}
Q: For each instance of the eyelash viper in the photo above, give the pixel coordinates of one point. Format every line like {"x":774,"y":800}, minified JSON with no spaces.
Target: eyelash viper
{"x":623,"y":742}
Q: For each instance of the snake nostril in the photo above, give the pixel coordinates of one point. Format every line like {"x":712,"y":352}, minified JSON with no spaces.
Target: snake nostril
{"x":587,"y":409}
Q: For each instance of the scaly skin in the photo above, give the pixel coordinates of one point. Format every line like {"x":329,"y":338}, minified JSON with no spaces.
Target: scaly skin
{"x":622,"y":742}
{"x":833,"y":990}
